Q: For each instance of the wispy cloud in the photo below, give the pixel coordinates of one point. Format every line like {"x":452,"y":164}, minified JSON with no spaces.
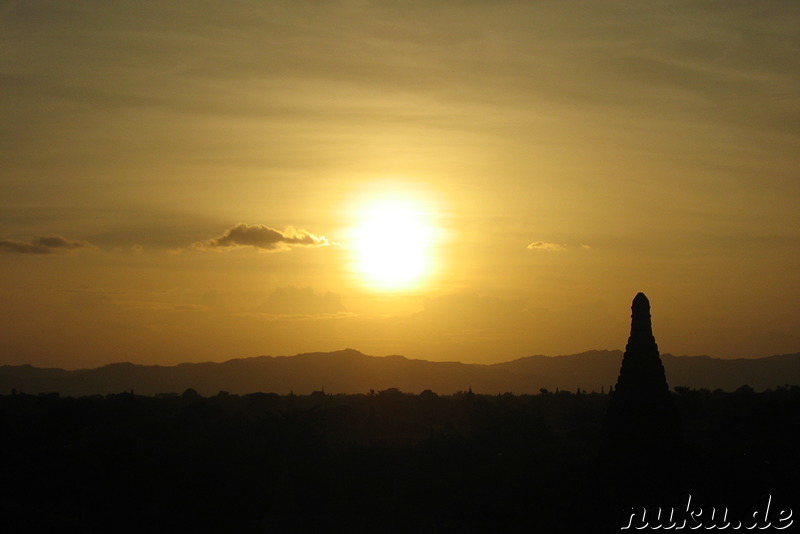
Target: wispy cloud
{"x":262,"y":238}
{"x":546,"y":246}
{"x":49,"y":244}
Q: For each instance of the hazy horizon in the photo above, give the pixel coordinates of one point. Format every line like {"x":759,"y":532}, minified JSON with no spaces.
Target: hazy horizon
{"x":392,"y":355}
{"x":452,"y":181}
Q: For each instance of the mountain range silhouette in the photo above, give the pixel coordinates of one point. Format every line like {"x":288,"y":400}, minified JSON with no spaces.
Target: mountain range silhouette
{"x":350,"y":371}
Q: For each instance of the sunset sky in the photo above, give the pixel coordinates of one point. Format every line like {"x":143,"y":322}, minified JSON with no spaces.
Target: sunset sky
{"x":454,"y":180}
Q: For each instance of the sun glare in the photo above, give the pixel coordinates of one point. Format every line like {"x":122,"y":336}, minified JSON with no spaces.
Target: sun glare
{"x":392,"y":242}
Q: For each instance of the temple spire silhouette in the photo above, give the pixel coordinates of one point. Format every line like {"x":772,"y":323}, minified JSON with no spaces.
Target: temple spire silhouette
{"x":641,"y":377}
{"x":641,"y":422}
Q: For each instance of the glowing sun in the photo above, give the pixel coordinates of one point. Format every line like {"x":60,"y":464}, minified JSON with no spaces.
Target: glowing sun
{"x":392,"y":242}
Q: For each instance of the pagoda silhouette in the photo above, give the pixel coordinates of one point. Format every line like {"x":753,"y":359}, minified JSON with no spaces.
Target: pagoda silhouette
{"x":641,"y":426}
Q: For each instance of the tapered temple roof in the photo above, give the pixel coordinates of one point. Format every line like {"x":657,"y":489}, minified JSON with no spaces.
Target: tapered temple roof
{"x":642,"y":372}
{"x":641,"y":426}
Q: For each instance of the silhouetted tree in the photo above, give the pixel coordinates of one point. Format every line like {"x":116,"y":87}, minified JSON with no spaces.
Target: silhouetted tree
{"x":190,"y":394}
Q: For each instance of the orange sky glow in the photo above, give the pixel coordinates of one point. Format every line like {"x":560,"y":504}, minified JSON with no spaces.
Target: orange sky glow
{"x":448,"y":181}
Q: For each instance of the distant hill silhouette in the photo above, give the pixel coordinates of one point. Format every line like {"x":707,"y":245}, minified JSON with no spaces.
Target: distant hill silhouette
{"x":349,"y":371}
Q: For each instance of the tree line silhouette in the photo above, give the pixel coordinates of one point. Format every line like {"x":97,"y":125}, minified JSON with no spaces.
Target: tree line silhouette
{"x":386,"y":461}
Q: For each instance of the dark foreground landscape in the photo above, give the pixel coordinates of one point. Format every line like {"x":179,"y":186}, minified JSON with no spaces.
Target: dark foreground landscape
{"x":384,"y":462}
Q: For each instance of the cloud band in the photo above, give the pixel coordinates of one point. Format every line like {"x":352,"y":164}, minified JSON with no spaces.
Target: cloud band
{"x":49,"y":244}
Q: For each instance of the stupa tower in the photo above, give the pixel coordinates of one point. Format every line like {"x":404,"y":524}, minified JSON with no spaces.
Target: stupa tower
{"x":641,"y":418}
{"x":641,"y":377}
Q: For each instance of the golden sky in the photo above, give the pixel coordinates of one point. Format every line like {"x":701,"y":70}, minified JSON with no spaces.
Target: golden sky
{"x":454,"y":180}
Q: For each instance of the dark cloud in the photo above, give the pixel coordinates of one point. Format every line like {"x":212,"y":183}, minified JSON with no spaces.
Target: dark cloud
{"x":262,"y":237}
{"x":302,"y":301}
{"x":44,"y":245}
